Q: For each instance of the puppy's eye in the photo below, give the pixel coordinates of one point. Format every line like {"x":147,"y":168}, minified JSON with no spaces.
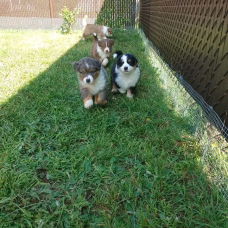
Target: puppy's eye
{"x":129,"y":61}
{"x":92,"y":71}
{"x":81,"y":71}
{"x":121,"y":62}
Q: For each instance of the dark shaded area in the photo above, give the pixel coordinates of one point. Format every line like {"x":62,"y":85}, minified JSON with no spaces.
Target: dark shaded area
{"x":117,"y":14}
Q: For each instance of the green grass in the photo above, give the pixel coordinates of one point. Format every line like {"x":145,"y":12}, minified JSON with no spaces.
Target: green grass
{"x":133,"y":163}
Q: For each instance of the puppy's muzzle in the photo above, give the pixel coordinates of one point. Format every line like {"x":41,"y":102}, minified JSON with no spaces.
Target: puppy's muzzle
{"x":88,"y":79}
{"x":106,"y":50}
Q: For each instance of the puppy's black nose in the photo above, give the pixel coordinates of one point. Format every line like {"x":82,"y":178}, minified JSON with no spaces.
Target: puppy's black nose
{"x":126,"y":68}
{"x":87,"y":80}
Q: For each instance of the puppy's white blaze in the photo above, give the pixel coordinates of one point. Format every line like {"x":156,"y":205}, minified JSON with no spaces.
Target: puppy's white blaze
{"x":114,"y":56}
{"x":130,"y":68}
{"x":87,"y":66}
{"x":107,"y":48}
{"x":94,"y":34}
{"x":88,"y":104}
{"x":90,"y":78}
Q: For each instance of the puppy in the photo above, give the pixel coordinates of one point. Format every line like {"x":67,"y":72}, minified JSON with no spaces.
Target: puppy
{"x":93,"y":81}
{"x":125,"y":74}
{"x":101,"y":31}
{"x":101,"y":49}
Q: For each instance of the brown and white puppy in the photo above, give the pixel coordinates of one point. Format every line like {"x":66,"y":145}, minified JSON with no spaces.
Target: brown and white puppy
{"x":101,"y":31}
{"x":101,"y":49}
{"x":93,"y":81}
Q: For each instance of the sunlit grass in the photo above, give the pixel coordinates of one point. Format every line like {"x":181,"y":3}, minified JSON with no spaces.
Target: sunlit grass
{"x":24,"y":55}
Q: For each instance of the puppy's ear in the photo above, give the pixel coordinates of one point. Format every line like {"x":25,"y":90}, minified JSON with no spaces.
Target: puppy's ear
{"x":111,"y":41}
{"x":75,"y":65}
{"x":136,"y":61}
{"x":99,"y":42}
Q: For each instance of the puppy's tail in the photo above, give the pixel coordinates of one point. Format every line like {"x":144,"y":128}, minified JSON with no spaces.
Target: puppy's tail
{"x":117,"y":54}
{"x":84,"y":20}
{"x":95,"y":36}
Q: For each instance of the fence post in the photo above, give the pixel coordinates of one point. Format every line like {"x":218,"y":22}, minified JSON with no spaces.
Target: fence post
{"x":51,"y":11}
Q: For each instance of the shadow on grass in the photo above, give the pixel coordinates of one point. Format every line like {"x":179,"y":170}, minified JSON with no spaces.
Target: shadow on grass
{"x":130,"y":164}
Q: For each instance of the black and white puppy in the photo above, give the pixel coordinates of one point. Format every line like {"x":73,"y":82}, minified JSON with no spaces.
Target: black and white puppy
{"x":125,"y":74}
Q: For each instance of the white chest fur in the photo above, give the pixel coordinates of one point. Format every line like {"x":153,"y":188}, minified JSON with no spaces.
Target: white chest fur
{"x":97,"y":86}
{"x":125,"y":81}
{"x":102,"y":54}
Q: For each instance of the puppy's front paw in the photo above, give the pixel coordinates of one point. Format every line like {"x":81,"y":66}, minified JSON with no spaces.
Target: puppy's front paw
{"x":129,"y":94}
{"x":102,"y":102}
{"x":104,"y":62}
{"x":88,"y":104}
{"x":122,"y":90}
{"x":114,"y":90}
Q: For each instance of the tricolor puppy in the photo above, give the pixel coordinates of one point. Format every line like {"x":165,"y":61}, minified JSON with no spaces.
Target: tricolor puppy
{"x":101,"y":49}
{"x":125,"y":74}
{"x":93,"y":81}
{"x":101,"y":31}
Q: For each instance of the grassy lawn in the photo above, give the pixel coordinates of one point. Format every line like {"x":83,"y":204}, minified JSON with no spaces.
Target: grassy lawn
{"x":133,"y":163}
